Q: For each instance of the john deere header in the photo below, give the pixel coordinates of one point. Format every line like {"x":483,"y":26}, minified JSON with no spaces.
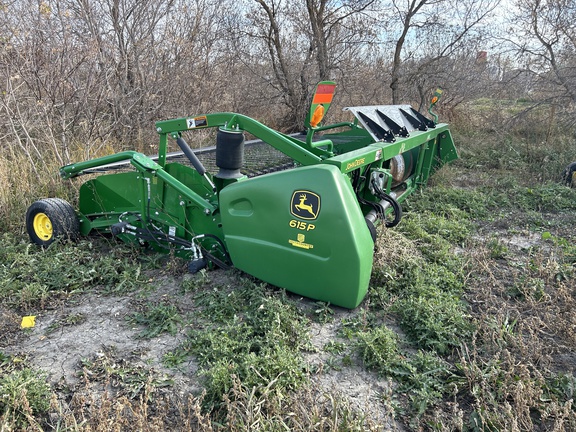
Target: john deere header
{"x":297,"y":211}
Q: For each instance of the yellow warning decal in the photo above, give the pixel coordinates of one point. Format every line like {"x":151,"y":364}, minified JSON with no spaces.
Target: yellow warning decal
{"x":300,"y":242}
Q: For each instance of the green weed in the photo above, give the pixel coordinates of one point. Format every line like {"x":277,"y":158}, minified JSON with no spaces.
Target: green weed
{"x":378,"y":349}
{"x":350,"y":327}
{"x":422,"y":376}
{"x":157,"y":319}
{"x":546,"y":197}
{"x":253,"y":335}
{"x":527,"y":287}
{"x":439,"y":321}
{"x":427,"y":280}
{"x":426,"y":378}
{"x":24,"y":395}
{"x":560,"y":386}
{"x":451,"y":204}
{"x":124,"y":377}
{"x":323,"y":312}
{"x":497,"y":249}
{"x":29,"y":276}
{"x":69,"y":320}
{"x":192,"y":283}
{"x":566,"y":247}
{"x":334,"y":347}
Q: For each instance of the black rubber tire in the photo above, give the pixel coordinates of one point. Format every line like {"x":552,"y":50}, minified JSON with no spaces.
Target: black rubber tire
{"x":60,"y":219}
{"x":569,"y":175}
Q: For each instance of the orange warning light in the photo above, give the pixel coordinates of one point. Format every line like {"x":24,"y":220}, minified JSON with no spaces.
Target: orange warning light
{"x":317,"y":116}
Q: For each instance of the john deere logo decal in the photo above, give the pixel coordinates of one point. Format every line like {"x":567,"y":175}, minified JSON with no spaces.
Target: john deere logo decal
{"x":305,"y":204}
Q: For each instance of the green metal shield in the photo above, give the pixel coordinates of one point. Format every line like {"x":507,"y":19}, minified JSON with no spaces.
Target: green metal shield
{"x":302,"y":230}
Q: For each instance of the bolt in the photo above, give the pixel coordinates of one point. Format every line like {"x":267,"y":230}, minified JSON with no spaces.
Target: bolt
{"x":182,"y":203}
{"x":207,"y":211}
{"x":158,"y":129}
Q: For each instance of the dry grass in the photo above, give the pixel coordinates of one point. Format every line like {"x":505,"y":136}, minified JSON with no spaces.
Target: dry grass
{"x":93,"y":410}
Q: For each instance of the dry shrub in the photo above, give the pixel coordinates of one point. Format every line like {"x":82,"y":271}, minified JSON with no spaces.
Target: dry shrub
{"x":21,"y":183}
{"x":102,"y":412}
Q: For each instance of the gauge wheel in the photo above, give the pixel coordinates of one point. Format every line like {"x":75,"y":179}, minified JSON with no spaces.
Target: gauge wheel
{"x":49,"y":219}
{"x":569,"y":175}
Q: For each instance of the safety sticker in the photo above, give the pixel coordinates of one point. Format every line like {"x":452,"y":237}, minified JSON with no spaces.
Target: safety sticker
{"x":196,"y":122}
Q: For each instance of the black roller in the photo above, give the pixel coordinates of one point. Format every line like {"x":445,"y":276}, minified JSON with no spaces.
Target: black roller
{"x":229,"y":153}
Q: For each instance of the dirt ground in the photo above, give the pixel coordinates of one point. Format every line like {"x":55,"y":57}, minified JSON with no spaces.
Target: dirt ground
{"x":90,"y":327}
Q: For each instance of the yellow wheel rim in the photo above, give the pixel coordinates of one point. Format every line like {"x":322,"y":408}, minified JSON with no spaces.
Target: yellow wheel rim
{"x":42,"y":226}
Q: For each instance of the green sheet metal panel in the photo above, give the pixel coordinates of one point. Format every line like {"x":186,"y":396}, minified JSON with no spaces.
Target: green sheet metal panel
{"x":111,"y":193}
{"x":302,"y":230}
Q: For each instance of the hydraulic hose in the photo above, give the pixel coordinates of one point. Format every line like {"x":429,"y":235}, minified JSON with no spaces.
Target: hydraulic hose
{"x":379,"y":211}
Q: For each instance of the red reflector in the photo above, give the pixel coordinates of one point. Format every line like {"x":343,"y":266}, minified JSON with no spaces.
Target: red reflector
{"x":326,"y":89}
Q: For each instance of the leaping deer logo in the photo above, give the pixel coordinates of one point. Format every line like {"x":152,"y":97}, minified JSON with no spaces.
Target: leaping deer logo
{"x":305,"y":205}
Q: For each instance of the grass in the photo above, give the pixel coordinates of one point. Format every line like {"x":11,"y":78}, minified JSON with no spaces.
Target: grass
{"x":250,"y":334}
{"x":31,"y":277}
{"x":123,"y":377}
{"x":157,"y":319}
{"x":24,"y":394}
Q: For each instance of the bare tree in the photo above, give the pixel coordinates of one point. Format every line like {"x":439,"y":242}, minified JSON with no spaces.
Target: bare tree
{"x":305,"y":43}
{"x":337,"y":27}
{"x":89,"y":76}
{"x":431,"y":31}
{"x":546,"y":43}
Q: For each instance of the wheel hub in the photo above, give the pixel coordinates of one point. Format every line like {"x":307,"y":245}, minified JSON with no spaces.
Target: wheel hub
{"x":43,"y":226}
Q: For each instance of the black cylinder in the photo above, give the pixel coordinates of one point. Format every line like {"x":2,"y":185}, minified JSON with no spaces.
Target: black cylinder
{"x":190,"y":155}
{"x":229,"y":153}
